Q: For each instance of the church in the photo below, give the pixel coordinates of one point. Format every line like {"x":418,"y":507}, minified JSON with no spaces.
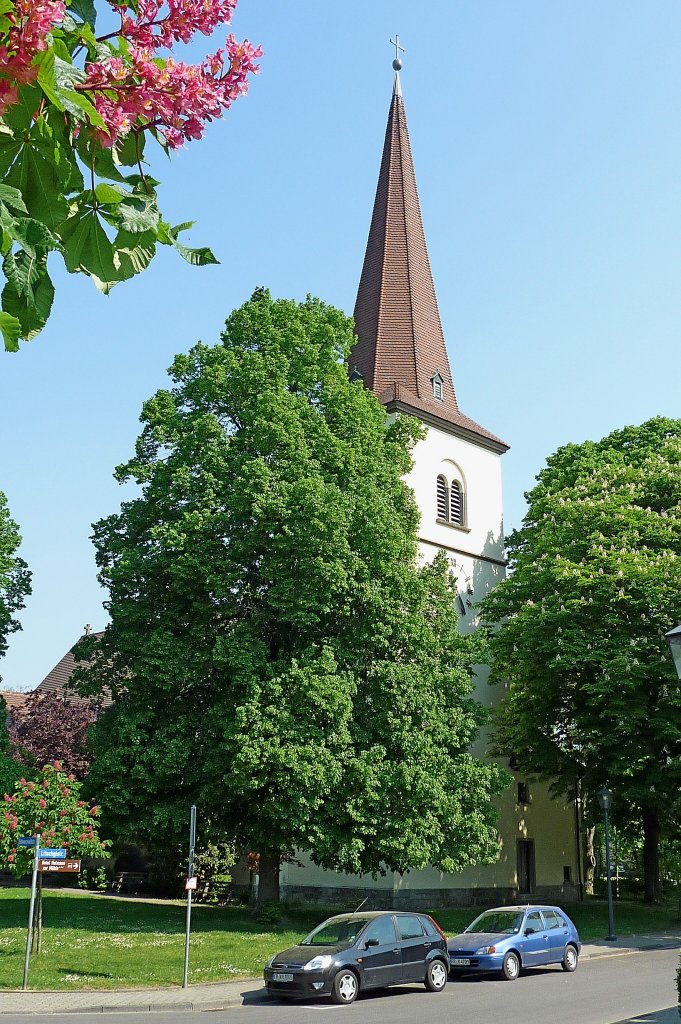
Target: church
{"x":401,"y":356}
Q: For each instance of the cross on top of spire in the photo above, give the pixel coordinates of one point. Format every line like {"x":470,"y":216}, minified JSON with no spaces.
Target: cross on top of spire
{"x":397,"y":63}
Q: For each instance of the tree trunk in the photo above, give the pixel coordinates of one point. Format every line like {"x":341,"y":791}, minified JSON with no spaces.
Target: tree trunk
{"x":651,"y":854}
{"x":589,"y":860}
{"x":268,"y":877}
{"x":37,"y":936}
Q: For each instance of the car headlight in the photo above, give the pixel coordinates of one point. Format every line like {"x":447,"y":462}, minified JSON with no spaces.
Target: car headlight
{"x":318,"y":963}
{"x":486,"y":949}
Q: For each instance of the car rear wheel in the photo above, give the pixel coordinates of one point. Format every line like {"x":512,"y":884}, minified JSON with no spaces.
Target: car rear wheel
{"x":510,"y":968}
{"x":345,"y":988}
{"x":570,"y":959}
{"x":436,"y":976}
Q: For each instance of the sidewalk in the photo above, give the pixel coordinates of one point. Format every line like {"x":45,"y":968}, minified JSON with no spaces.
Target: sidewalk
{"x":223,"y":995}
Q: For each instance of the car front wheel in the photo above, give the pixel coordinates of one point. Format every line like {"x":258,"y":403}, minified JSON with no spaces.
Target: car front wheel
{"x":436,"y":976}
{"x":510,"y":968}
{"x":345,"y":988}
{"x":570,"y":959}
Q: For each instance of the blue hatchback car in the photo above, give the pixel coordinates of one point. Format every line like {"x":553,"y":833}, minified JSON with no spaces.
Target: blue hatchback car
{"x":509,"y":939}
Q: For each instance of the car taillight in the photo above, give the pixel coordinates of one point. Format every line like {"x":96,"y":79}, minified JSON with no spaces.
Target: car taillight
{"x":437,"y":926}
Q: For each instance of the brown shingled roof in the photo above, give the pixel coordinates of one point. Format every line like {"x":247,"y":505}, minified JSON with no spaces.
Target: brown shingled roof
{"x":14,"y":699}
{"x":58,"y":679}
{"x":400,"y":343}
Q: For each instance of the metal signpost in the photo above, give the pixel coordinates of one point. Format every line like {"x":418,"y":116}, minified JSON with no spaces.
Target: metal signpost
{"x":190,"y":886}
{"x":31,"y":906}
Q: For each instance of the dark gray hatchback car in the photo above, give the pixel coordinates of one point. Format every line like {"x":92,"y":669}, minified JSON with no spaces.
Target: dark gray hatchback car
{"x":351,"y":953}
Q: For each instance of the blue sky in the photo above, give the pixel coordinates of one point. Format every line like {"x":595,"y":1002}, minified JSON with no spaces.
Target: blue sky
{"x":547,"y":147}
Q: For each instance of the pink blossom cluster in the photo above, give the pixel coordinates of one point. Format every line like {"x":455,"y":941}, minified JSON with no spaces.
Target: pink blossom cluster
{"x":139,"y":92}
{"x":30,"y":24}
{"x":153,"y":27}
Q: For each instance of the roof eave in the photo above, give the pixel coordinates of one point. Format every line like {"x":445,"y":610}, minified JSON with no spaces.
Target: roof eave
{"x":481,"y":439}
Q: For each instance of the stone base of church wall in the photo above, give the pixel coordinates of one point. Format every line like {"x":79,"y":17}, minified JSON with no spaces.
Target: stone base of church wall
{"x":349,"y":897}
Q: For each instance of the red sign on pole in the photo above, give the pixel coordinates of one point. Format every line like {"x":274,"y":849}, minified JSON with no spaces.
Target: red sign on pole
{"x":191,"y":884}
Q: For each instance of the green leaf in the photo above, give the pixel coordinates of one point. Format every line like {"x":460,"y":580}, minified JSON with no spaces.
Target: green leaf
{"x":11,"y":331}
{"x":28,"y":294}
{"x":38,"y":179}
{"x":88,"y":249}
{"x":66,"y":74}
{"x":20,"y":115}
{"x":81,"y":107}
{"x":85,"y":10}
{"x":129,"y":149}
{"x":32,"y":235}
{"x":89,"y":151}
{"x":139,"y":216}
{"x":106,"y":193}
{"x":197,"y":257}
{"x":134,"y":251}
{"x":13,"y":198}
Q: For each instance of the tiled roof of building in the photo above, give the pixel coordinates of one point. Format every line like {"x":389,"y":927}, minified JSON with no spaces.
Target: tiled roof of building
{"x":400,"y":342}
{"x":14,"y":699}
{"x":57,"y":680}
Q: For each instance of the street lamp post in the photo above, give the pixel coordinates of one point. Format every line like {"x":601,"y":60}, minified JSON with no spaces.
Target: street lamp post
{"x":673,"y":638}
{"x":605,"y":803}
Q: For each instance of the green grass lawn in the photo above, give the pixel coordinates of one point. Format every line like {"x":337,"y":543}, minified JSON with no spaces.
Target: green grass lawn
{"x":103,"y":942}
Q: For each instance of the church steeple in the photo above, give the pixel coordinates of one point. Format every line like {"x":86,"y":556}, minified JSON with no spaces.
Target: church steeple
{"x":400,"y":351}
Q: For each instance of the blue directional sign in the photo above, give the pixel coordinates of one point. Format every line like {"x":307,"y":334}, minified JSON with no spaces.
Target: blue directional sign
{"x":47,"y":853}
{"x":26,"y":841}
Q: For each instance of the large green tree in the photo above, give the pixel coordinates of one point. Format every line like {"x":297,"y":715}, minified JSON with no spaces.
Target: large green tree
{"x":595,"y":583}
{"x":15,"y":579}
{"x":276,"y":653}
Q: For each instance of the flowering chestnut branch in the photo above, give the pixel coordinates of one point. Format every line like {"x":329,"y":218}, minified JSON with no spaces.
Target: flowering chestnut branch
{"x":77,"y":107}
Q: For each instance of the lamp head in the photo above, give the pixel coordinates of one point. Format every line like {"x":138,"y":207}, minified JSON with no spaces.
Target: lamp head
{"x":604,"y":796}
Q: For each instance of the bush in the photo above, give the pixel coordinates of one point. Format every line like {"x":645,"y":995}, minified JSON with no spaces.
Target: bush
{"x":270,"y":913}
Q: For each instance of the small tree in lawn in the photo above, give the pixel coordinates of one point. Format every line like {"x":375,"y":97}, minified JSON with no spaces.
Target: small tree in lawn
{"x":48,"y":806}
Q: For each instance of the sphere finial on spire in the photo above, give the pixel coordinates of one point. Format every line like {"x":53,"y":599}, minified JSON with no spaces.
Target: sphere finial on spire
{"x":397,"y":63}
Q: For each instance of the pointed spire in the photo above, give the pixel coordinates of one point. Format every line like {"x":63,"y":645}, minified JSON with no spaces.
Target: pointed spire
{"x":400,"y":350}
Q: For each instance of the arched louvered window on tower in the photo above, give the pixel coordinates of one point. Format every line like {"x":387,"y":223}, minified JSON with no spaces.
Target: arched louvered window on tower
{"x":442,"y":502}
{"x":456,"y":503}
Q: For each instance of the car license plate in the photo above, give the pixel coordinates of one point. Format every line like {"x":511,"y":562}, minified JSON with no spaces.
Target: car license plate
{"x":460,"y":961}
{"x":282,"y":977}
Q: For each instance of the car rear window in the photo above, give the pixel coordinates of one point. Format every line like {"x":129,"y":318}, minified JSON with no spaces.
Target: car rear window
{"x":410,"y":927}
{"x":551,"y":919}
{"x":428,"y":926}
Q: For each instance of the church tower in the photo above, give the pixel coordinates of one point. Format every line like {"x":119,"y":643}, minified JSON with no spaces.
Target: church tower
{"x":400,"y":354}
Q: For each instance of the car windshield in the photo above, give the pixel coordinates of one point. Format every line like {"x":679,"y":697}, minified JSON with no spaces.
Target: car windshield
{"x":337,"y":931}
{"x":499,"y":922}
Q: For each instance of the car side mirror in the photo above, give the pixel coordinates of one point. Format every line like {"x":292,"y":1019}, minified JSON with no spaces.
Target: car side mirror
{"x":371,"y":942}
{"x":529,"y":931}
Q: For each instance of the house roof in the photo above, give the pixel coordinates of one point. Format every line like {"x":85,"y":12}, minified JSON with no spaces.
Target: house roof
{"x":14,"y":699}
{"x":400,"y":342}
{"x":58,"y":679}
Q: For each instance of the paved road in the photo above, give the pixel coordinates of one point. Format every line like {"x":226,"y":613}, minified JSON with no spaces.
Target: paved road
{"x":637,"y":988}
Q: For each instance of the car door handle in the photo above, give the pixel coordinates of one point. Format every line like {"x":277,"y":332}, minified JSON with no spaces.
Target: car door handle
{"x":426,"y":944}
{"x":396,"y":949}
